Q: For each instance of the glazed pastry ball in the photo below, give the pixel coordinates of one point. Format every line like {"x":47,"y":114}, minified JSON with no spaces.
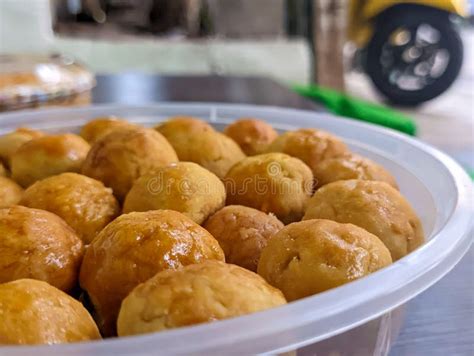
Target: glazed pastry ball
{"x":195,"y":294}
{"x":351,"y":166}
{"x":132,"y":249}
{"x":38,"y":244}
{"x":242,"y":233}
{"x":47,"y":156}
{"x":182,"y":125}
{"x":312,"y":256}
{"x":198,"y":142}
{"x":184,"y":186}
{"x":84,"y":203}
{"x":252,"y":135}
{"x":273,"y":183}
{"x":101,"y":126}
{"x":10,"y":192}
{"x":12,"y":141}
{"x":34,"y":312}
{"x":375,"y":206}
{"x":310,"y":145}
{"x":122,"y":156}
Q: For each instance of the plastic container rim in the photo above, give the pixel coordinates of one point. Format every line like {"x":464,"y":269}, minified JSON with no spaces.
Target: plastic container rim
{"x":351,"y":302}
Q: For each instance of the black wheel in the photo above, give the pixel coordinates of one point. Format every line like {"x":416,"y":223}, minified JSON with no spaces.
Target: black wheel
{"x":415,"y":55}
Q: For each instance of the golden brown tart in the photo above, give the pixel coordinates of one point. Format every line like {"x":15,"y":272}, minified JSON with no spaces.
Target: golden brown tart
{"x":312,"y":256}
{"x":47,"y":156}
{"x":252,"y":135}
{"x":242,"y":233}
{"x":195,"y":294}
{"x":375,"y":206}
{"x":184,"y":186}
{"x":273,"y":183}
{"x":82,"y":202}
{"x":132,"y":249}
{"x":34,"y":312}
{"x":39,"y":245}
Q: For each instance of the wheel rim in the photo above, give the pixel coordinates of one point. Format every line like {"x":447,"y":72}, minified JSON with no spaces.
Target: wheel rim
{"x":414,"y":57}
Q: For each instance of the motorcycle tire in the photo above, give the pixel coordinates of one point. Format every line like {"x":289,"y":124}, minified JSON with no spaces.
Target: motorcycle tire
{"x":406,"y":18}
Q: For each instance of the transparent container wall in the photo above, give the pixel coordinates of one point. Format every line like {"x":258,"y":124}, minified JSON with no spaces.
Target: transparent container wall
{"x":359,"y":318}
{"x":373,"y":338}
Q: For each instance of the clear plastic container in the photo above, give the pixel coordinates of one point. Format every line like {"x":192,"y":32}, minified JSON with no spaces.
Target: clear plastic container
{"x":32,"y":80}
{"x":363,"y":315}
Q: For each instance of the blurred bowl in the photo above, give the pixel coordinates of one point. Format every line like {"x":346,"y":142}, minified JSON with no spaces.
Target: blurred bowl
{"x":28,"y":81}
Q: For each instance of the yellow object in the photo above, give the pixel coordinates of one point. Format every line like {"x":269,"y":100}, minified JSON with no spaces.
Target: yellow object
{"x":363,"y":12}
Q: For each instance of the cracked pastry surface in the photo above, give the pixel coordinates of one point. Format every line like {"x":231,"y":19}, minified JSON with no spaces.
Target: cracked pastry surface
{"x":83,"y":203}
{"x":132,"y":249}
{"x":196,"y":141}
{"x":184,"y":186}
{"x":309,"y":145}
{"x":47,"y":156}
{"x":195,"y":294}
{"x":312,"y":256}
{"x":375,"y":206}
{"x":273,"y":183}
{"x":34,"y":312}
{"x":242,"y":233}
{"x":39,"y":245}
{"x":122,"y":156}
{"x":351,"y":166}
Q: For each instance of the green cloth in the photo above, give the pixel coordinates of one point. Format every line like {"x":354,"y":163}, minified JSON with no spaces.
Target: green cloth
{"x":471,"y":173}
{"x":343,"y":105}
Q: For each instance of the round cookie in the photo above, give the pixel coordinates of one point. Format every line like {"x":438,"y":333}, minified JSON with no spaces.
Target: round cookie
{"x":196,"y":141}
{"x":252,"y":135}
{"x":375,"y":206}
{"x":242,"y":233}
{"x":309,"y":145}
{"x":132,"y":249}
{"x":273,"y":183}
{"x":10,"y":192}
{"x":101,"y":126}
{"x":84,"y":203}
{"x":351,"y":166}
{"x":47,"y":156}
{"x":312,"y":256}
{"x":122,"y":156}
{"x":195,"y":294}
{"x":177,"y":126}
{"x":34,"y":312}
{"x":39,"y":245}
{"x":184,"y":186}
{"x":12,"y":141}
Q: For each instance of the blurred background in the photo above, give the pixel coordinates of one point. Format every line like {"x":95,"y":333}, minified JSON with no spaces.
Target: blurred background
{"x":416,"y":56}
{"x":406,"y":64}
